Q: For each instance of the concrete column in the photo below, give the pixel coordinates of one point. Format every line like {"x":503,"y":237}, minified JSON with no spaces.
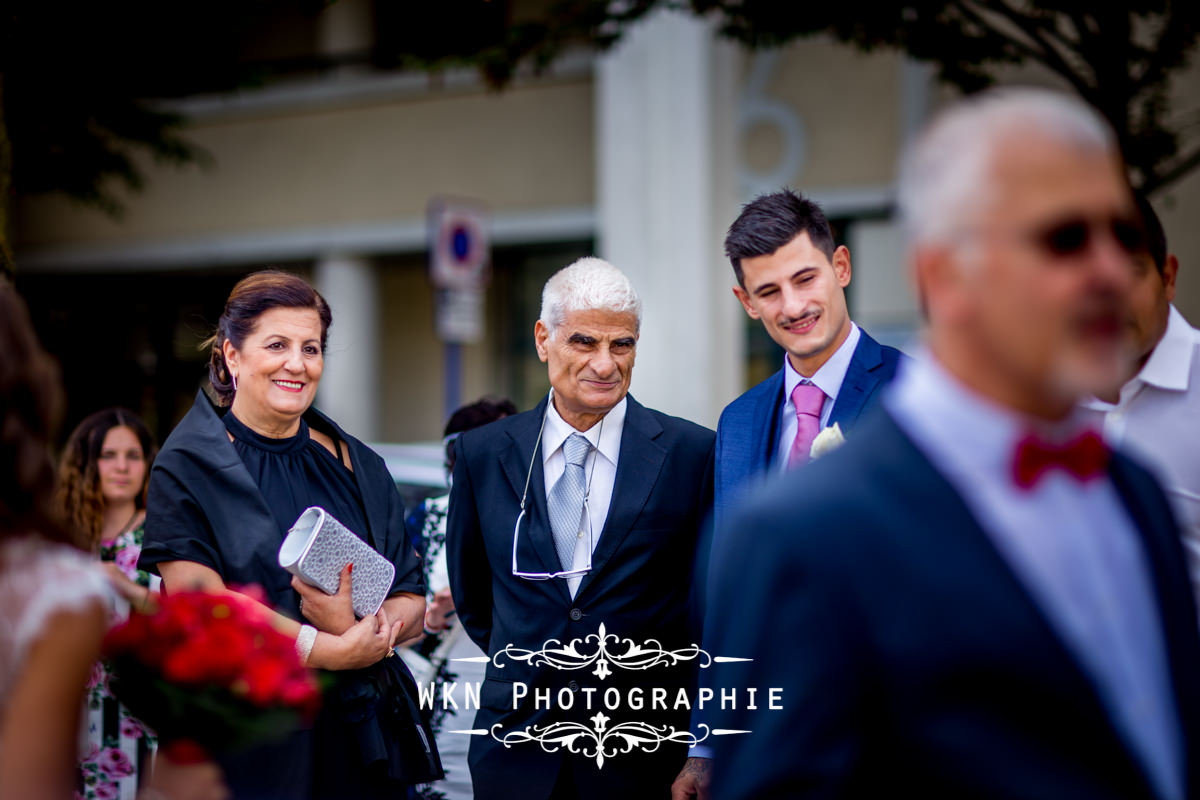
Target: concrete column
{"x":345,"y":28}
{"x":666,"y":173}
{"x":350,"y":387}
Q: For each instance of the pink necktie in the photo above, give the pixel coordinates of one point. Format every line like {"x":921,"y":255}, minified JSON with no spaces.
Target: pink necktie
{"x":808,"y":400}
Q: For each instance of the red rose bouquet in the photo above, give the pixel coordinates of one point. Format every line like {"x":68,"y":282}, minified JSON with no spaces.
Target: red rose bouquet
{"x":210,"y":669}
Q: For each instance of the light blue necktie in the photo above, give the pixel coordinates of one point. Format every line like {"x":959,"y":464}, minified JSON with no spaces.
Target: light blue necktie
{"x":565,"y":503}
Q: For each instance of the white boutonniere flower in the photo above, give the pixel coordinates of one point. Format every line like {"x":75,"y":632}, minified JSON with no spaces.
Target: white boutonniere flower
{"x":828,"y":440}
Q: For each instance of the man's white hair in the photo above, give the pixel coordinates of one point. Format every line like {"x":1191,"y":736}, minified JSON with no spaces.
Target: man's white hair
{"x":945,"y":174}
{"x":589,"y":283}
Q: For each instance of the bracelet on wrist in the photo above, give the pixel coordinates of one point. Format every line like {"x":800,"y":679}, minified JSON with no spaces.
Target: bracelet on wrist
{"x":304,"y":642}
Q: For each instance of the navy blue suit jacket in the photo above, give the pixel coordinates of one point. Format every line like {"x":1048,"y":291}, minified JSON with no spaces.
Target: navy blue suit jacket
{"x":911,"y":658}
{"x":639,"y":588}
{"x":749,"y":426}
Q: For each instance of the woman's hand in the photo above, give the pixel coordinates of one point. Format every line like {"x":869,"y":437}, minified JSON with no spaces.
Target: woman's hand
{"x":140,"y":597}
{"x":171,"y":781}
{"x":360,"y":645}
{"x":331,"y":613}
{"x":367,"y":641}
{"x":409,"y":608}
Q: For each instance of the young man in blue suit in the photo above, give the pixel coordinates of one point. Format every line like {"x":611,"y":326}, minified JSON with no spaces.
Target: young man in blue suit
{"x":792,"y":278}
{"x":979,"y":599}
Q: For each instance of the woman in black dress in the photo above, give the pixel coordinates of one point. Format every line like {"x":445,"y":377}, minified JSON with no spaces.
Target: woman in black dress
{"x":231,"y":480}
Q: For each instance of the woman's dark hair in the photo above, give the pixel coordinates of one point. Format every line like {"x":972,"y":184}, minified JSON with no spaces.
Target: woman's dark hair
{"x":79,"y":495}
{"x":31,"y":403}
{"x":475,"y":415}
{"x":255,"y":294}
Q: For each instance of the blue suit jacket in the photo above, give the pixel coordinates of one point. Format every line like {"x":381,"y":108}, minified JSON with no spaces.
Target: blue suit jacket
{"x":749,"y":426}
{"x":911,"y":658}
{"x":639,"y":588}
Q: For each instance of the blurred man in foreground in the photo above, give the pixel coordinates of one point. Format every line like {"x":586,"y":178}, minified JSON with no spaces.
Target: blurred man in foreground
{"x":983,"y":600}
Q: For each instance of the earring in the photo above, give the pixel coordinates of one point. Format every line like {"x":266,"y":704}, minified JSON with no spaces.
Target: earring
{"x":234,"y":379}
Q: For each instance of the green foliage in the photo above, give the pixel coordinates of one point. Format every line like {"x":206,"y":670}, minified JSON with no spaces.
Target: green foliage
{"x":82,"y":81}
{"x":497,"y":36}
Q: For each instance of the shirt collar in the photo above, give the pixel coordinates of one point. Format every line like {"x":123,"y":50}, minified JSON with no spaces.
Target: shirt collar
{"x":1170,"y":361}
{"x":965,"y":425}
{"x":831,"y":374}
{"x":1168,"y":367}
{"x":605,"y":436}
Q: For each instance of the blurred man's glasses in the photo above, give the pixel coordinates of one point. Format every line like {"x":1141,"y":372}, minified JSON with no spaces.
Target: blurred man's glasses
{"x":1075,"y":236}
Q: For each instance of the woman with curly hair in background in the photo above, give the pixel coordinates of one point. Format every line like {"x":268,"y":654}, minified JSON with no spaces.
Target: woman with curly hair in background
{"x":102,"y":479}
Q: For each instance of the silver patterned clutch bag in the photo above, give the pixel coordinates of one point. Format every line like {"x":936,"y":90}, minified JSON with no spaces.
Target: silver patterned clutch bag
{"x":318,"y":547}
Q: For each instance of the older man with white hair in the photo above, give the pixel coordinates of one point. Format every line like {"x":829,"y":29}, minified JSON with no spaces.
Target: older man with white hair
{"x":571,"y":537}
{"x":983,"y":601}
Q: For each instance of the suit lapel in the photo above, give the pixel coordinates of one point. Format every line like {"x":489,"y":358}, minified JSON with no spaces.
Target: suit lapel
{"x":859,"y":382}
{"x":1173,"y":595}
{"x":638,"y":468}
{"x":764,"y":425}
{"x":959,"y":540}
{"x":521,"y":461}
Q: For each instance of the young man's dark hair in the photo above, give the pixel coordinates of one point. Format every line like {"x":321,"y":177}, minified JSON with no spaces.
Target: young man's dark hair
{"x":772,"y":220}
{"x":1156,"y":238}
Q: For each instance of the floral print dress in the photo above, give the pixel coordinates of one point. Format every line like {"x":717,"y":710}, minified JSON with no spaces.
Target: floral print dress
{"x":118,"y":751}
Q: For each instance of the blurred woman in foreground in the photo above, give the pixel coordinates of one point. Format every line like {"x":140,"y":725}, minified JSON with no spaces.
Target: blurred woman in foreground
{"x":52,"y":596}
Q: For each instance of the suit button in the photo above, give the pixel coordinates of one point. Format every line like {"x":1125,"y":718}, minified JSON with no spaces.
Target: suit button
{"x":573,"y":686}
{"x":576,"y":615}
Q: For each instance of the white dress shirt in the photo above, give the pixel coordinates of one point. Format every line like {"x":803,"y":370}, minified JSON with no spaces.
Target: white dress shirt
{"x":600,"y":467}
{"x":828,"y":379}
{"x":1157,"y":419}
{"x":1072,"y":545}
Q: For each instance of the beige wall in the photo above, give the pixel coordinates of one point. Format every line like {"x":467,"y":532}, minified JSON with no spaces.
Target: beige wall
{"x":1179,"y":207}
{"x":529,"y":148}
{"x":849,"y":103}
{"x":412,"y":374}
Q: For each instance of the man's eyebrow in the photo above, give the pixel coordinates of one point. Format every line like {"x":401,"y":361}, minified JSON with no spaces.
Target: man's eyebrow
{"x":625,"y":340}
{"x":581,"y":338}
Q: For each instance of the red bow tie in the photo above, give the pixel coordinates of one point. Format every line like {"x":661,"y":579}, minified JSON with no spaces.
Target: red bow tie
{"x":1085,"y":457}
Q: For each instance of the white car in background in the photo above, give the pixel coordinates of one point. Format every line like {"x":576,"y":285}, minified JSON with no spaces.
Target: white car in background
{"x":418,"y":469}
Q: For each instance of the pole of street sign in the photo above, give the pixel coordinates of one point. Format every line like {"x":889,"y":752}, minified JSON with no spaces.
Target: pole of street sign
{"x":459,"y":268}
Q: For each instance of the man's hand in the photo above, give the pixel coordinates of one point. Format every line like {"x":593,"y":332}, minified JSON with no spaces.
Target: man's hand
{"x":438,"y":613}
{"x":332,"y":613}
{"x":693,"y":780}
